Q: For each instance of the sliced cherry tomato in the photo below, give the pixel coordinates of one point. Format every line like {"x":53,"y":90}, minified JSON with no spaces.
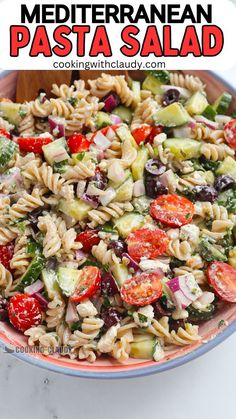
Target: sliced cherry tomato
{"x":88,"y":239}
{"x":4,"y":133}
{"x":147,"y":243}
{"x":89,"y":283}
{"x":142,"y":289}
{"x":230,"y":133}
{"x":141,"y":133}
{"x":34,"y":144}
{"x":6,"y":253}
{"x":78,"y":143}
{"x":24,"y":312}
{"x":172,"y":210}
{"x":158,"y":129}
{"x":222,"y":278}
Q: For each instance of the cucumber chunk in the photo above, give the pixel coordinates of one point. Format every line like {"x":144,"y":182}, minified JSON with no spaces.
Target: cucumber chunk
{"x":76,"y":208}
{"x":144,"y":349}
{"x":67,"y":279}
{"x":116,"y":185}
{"x":128,"y":223}
{"x":173,"y":115}
{"x":221,"y":104}
{"x":227,"y":167}
{"x":56,"y":151}
{"x":183,"y":148}
{"x":102,"y":120}
{"x":135,"y":87}
{"x":162,"y":76}
{"x":8,"y":149}
{"x":49,"y":278}
{"x":125,"y":191}
{"x":209,"y":252}
{"x":11,"y":112}
{"x":121,"y":273}
{"x":124,"y":133}
{"x":197,"y":316}
{"x":139,"y":163}
{"x":124,"y":113}
{"x":33,"y":271}
{"x":153,"y":84}
{"x":196,"y":104}
{"x":209,"y":113}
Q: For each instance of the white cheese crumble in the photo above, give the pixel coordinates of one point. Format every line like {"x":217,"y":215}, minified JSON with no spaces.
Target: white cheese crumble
{"x":86,"y":309}
{"x":143,"y":317}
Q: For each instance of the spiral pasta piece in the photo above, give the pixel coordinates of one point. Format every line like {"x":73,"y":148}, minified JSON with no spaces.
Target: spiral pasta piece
{"x":80,"y":171}
{"x":190,"y":181}
{"x":61,"y":108}
{"x":202,"y":132}
{"x":114,"y":210}
{"x":187,"y":81}
{"x":63,"y":91}
{"x":25,"y":204}
{"x":179,"y":249}
{"x":103,"y":254}
{"x":144,"y":113}
{"x":52,"y":240}
{"x":187,"y":336}
{"x":27,"y":125}
{"x":21,"y":259}
{"x":55,"y":312}
{"x":212,"y":211}
{"x":216,"y":152}
{"x":40,"y":108}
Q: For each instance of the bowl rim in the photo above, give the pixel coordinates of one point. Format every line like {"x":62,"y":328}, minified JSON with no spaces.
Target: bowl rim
{"x":143,"y":371}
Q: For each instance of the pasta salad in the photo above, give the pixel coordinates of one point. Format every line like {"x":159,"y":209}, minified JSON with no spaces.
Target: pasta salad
{"x":117,"y":215}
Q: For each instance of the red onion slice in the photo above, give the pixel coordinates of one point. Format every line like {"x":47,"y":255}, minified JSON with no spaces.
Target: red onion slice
{"x":57,"y":126}
{"x":34,"y":288}
{"x":210,"y":124}
{"x":41,"y":299}
{"x":115,"y":119}
{"x":71,"y":313}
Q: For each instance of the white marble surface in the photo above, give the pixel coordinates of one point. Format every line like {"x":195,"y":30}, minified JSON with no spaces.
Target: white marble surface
{"x":201,"y":389}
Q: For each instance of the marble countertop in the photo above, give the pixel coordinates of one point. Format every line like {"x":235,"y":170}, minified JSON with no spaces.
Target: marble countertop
{"x":201,"y":388}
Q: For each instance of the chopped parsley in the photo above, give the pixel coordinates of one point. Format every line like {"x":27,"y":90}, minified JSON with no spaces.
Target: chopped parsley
{"x":22,"y":113}
{"x":60,"y":167}
{"x":221,"y":323}
{"x":73,"y":101}
{"x":80,"y":156}
{"x":142,"y":318}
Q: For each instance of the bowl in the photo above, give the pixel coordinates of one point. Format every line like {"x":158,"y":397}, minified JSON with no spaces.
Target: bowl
{"x":213,"y":332}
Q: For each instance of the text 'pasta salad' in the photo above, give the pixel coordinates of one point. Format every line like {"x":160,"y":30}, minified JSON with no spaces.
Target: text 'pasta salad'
{"x":117,"y":215}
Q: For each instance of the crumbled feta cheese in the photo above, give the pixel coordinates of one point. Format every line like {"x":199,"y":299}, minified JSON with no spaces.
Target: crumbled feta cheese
{"x":159,"y":139}
{"x":158,"y":353}
{"x":106,"y":342}
{"x":86,"y":309}
{"x":179,"y":313}
{"x":190,"y":232}
{"x":203,"y":302}
{"x":148,"y":265}
{"x":143,"y":317}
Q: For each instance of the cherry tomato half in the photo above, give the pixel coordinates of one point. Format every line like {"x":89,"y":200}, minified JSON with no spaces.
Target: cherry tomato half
{"x":230,"y":133}
{"x":142,"y":289}
{"x":4,"y":133}
{"x":6,"y":253}
{"x":158,"y":129}
{"x":222,"y":278}
{"x":172,"y":210}
{"x":147,"y":243}
{"x":89,"y":283}
{"x":24,"y":312}
{"x":78,"y":143}
{"x":34,"y":144}
{"x":141,"y":133}
{"x":88,"y":239}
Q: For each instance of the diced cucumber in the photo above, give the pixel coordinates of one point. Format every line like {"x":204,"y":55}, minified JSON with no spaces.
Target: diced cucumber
{"x":209,"y":113}
{"x":198,"y":316}
{"x":196,"y":104}
{"x":144,"y":349}
{"x":163,"y":76}
{"x":153,"y":84}
{"x":222,"y":103}
{"x":183,"y":148}
{"x":8,"y":149}
{"x":75,"y":208}
{"x":10,"y":111}
{"x":227,"y":167}
{"x":55,"y":151}
{"x":67,"y":279}
{"x":125,"y":191}
{"x":102,"y":120}
{"x":33,"y":271}
{"x":173,"y":115}
{"x":232,"y":257}
{"x":135,"y":87}
{"x":116,"y":185}
{"x":139,"y":163}
{"x":84,"y":157}
{"x":128,"y":223}
{"x":209,"y":177}
{"x":209,"y":252}
{"x":121,"y":273}
{"x":124,"y":113}
{"x":49,"y":278}
{"x":124,"y":133}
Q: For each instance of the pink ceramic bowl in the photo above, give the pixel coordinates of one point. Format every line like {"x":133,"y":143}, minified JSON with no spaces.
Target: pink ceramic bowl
{"x":212,"y":334}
